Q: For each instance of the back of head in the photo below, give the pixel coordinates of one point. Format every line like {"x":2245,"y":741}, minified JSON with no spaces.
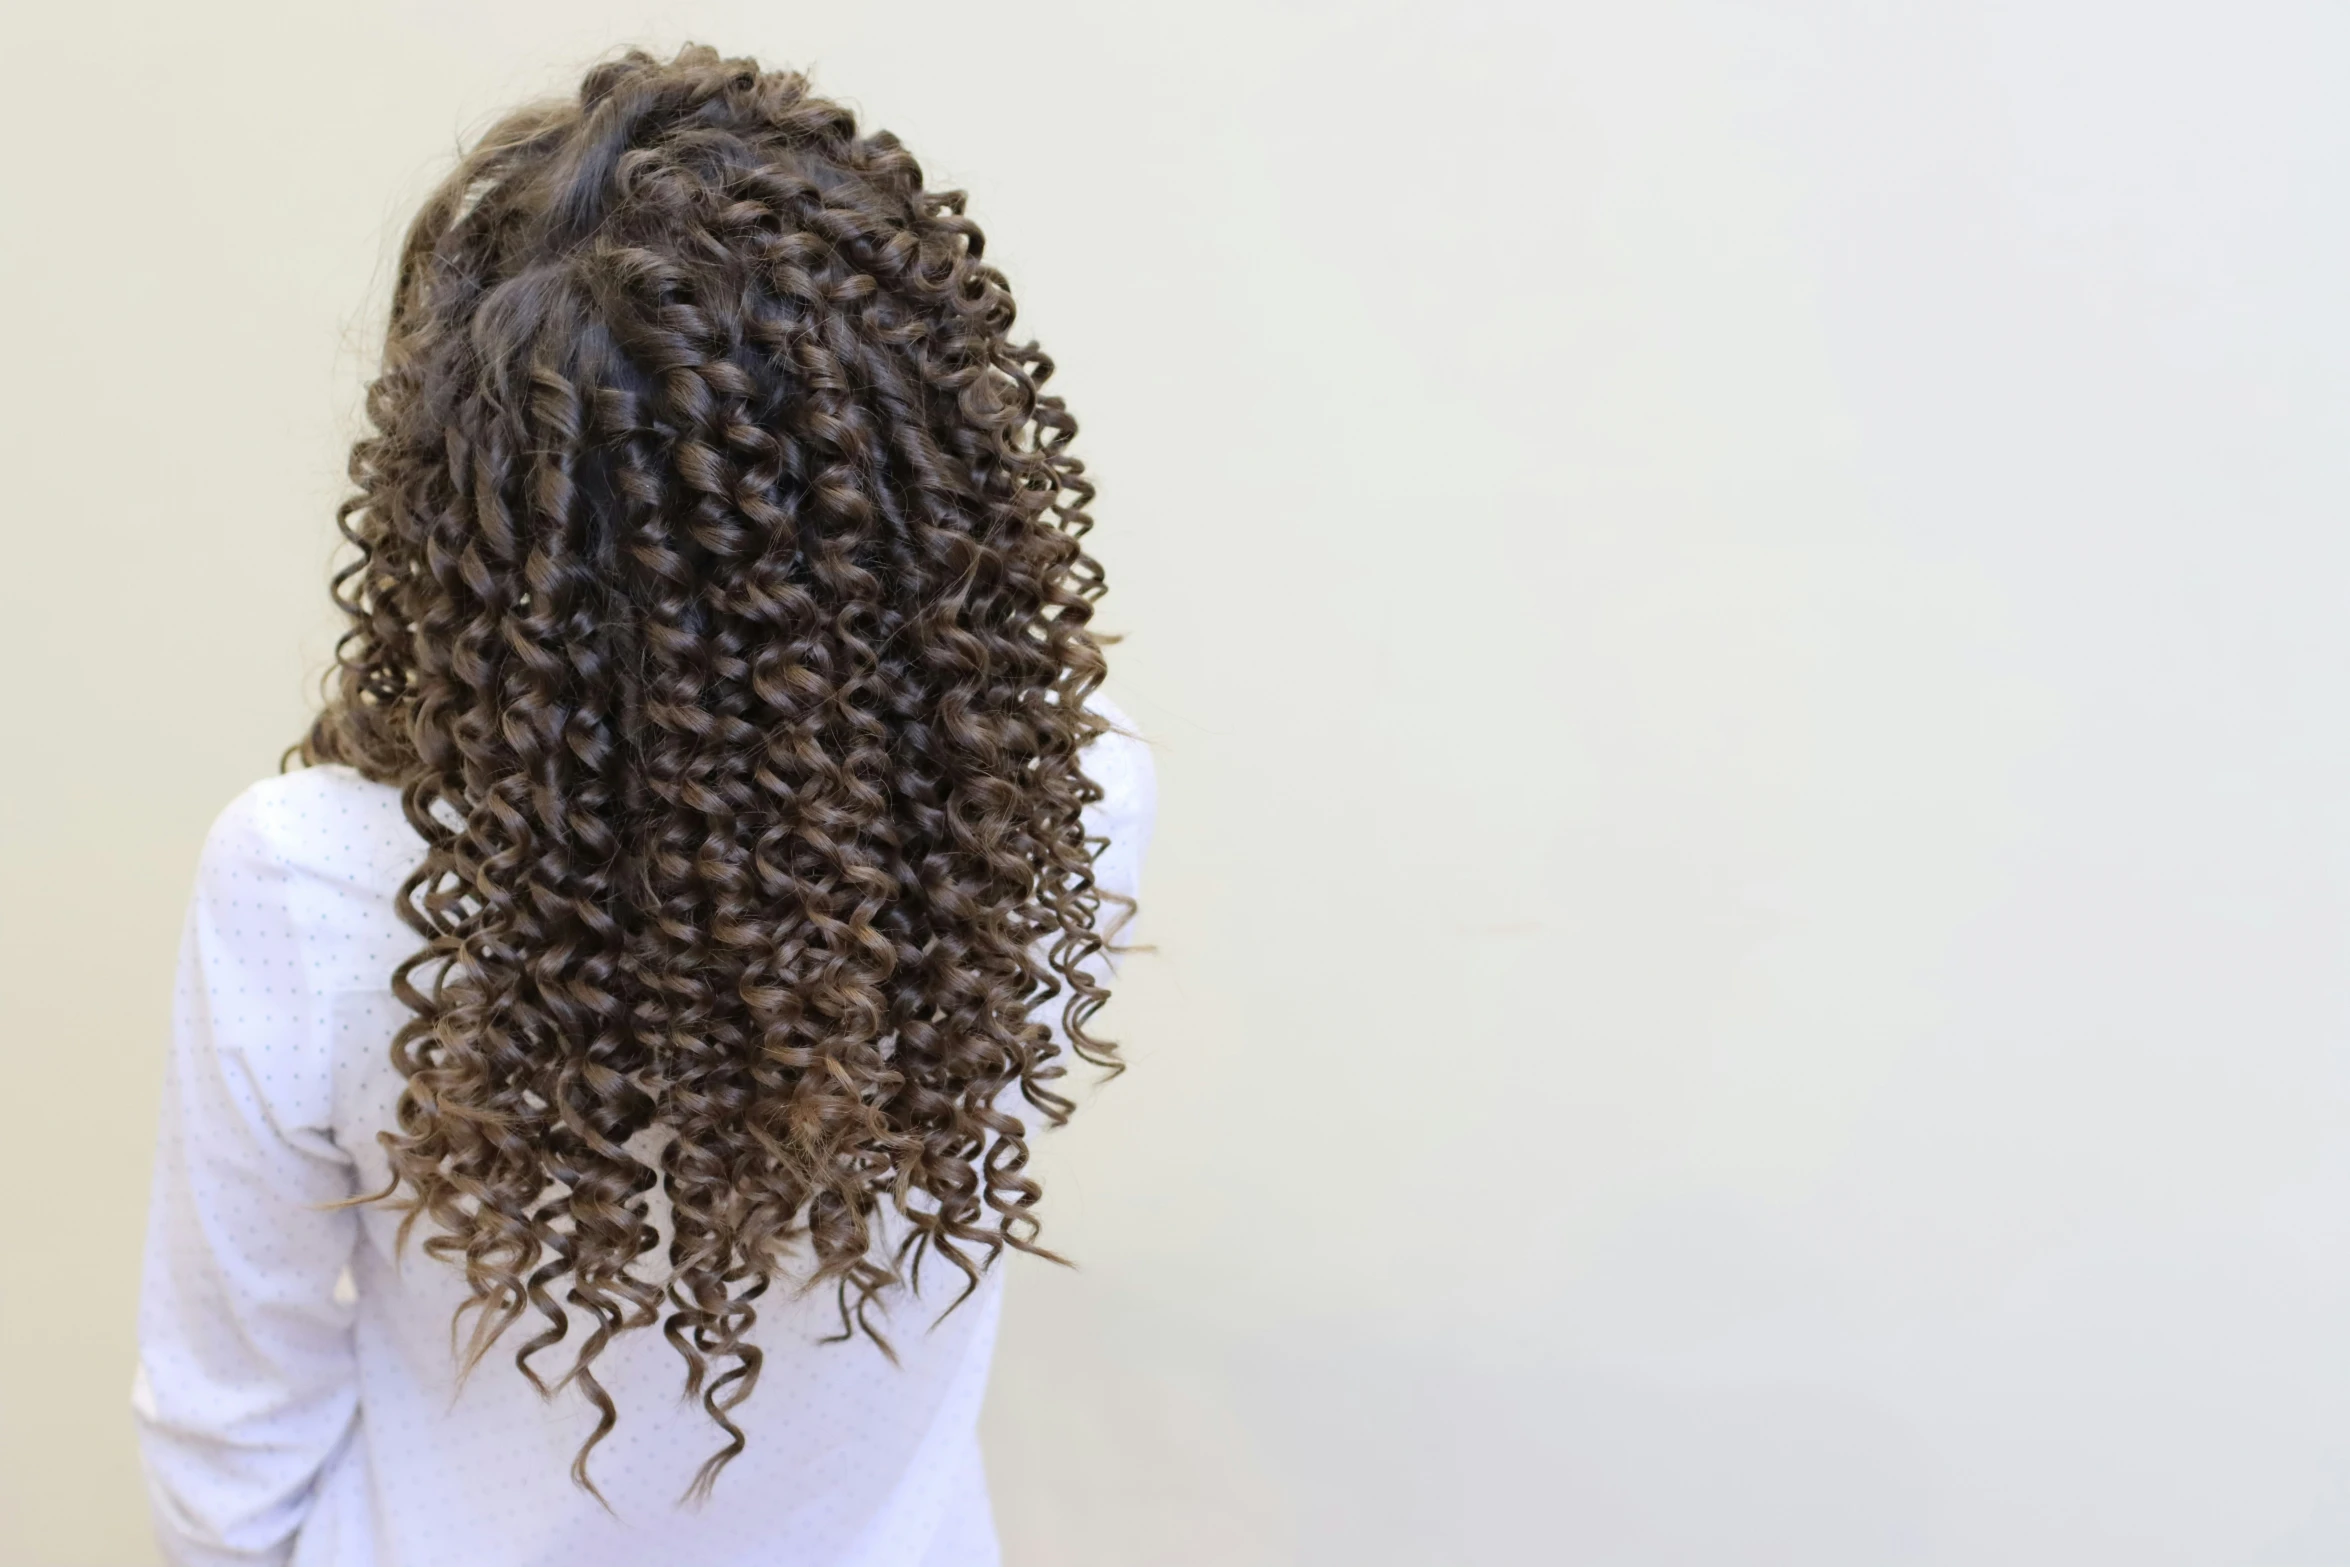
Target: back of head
{"x":720,"y":609}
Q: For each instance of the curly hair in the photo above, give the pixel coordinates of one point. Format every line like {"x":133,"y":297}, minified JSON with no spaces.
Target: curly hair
{"x":719,"y":609}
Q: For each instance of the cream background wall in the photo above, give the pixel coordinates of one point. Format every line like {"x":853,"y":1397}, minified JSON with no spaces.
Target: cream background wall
{"x":1742,"y":608}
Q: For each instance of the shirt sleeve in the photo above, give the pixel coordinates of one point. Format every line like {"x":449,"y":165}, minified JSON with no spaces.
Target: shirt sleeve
{"x":246,"y":1376}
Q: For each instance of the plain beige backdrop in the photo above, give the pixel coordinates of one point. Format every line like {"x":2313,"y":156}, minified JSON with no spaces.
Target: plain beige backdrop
{"x":1742,"y":608}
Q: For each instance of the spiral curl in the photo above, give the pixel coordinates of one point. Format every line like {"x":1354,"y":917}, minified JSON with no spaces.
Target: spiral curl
{"x":719,"y":609}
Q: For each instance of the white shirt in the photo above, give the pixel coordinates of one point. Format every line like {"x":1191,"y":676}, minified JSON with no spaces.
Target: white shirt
{"x":296,"y":1397}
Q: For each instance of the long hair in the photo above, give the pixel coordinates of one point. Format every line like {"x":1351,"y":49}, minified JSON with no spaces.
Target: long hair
{"x":719,"y":610}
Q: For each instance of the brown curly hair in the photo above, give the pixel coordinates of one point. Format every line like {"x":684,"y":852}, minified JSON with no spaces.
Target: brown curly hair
{"x":720,"y":612}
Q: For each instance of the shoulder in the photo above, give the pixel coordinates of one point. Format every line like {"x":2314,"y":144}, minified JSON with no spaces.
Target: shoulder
{"x":1120,"y":762}
{"x":326,"y":823}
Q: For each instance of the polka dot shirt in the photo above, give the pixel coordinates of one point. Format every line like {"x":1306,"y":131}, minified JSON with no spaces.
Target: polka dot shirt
{"x":295,"y":1397}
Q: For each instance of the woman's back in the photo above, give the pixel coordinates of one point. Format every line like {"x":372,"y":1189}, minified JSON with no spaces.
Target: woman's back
{"x":605,"y":1074}
{"x":297,"y":1317}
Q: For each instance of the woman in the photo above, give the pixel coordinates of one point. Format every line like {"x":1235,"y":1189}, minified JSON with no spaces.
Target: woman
{"x":692,"y":888}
